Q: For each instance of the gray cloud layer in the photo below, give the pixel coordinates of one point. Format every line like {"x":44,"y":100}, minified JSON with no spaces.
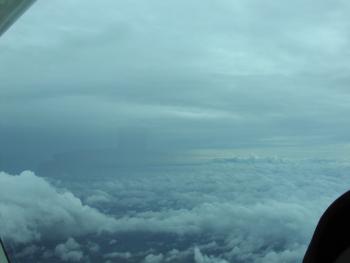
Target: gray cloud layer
{"x":192,"y":74}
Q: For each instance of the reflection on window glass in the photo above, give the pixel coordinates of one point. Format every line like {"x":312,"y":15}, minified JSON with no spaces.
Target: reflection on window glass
{"x":171,"y":131}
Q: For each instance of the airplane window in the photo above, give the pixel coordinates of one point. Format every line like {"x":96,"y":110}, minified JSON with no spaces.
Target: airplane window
{"x":171,"y":131}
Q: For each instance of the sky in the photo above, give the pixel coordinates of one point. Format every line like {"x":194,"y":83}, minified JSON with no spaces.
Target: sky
{"x":143,"y":115}
{"x":174,"y":76}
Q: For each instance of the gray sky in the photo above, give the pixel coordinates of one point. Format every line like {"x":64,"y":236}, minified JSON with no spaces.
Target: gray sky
{"x":174,"y":76}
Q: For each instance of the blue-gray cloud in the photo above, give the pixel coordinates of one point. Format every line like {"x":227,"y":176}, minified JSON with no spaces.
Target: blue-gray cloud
{"x":219,"y":74}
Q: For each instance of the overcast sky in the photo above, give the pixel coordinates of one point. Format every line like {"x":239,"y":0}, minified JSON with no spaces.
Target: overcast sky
{"x":174,"y":76}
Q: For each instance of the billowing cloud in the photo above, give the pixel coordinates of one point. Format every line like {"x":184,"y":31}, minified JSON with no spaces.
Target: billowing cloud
{"x":200,"y":258}
{"x":69,"y":251}
{"x":154,"y":258}
{"x":31,"y":208}
{"x":240,"y":209}
{"x":254,"y":210}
